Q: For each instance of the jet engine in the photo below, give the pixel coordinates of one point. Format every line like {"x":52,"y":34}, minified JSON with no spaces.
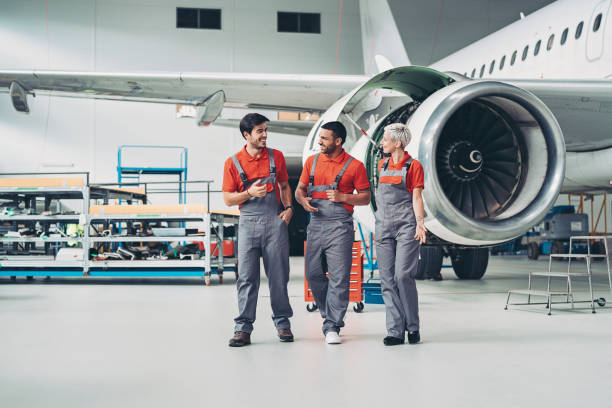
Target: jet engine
{"x":493,"y":156}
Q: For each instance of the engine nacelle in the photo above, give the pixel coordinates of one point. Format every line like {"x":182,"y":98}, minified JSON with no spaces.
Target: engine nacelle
{"x":493,"y":154}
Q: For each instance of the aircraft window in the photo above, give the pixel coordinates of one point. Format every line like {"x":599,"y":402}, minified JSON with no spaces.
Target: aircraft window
{"x":299,"y":22}
{"x":551,"y":41}
{"x":579,"y":30}
{"x":597,"y":22}
{"x":513,"y":59}
{"x":482,"y":70}
{"x":473,"y":73}
{"x":502,"y":62}
{"x":536,"y":49}
{"x":525,"y":52}
{"x":492,"y":67}
{"x":564,"y":36}
{"x":198,"y":18}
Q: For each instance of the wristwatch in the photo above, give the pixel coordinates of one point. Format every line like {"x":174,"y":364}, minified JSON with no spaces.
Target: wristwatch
{"x":288,"y":207}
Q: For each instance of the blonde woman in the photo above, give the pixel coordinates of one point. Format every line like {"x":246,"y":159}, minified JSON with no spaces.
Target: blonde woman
{"x":399,"y":232}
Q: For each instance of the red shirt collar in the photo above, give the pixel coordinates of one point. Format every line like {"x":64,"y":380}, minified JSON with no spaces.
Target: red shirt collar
{"x":402,"y":162}
{"x":339,"y":159}
{"x":263,"y":155}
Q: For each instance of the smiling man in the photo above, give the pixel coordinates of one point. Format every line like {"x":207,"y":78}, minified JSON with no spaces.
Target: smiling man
{"x":256,"y":179}
{"x":327,"y":191}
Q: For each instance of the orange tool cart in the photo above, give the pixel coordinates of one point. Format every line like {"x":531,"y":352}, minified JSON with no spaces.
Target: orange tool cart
{"x":355,"y":288}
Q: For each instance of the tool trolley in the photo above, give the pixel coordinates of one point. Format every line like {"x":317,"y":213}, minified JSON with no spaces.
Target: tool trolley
{"x":356,"y":282}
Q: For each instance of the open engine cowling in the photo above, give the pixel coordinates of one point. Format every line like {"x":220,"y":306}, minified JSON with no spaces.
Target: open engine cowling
{"x":493,"y":154}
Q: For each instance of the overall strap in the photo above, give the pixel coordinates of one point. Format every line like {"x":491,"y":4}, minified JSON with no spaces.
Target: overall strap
{"x":386,"y":163}
{"x":339,"y":176}
{"x":312,"y":170}
{"x":405,"y":169}
{"x":408,"y":163}
{"x":272,"y":165}
{"x":241,"y":172}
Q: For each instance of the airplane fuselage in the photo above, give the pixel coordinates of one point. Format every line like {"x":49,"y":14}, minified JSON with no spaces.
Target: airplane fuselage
{"x":573,"y":40}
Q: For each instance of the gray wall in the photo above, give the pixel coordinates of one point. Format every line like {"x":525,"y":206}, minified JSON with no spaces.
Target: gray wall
{"x":139,"y":35}
{"x":107,"y":35}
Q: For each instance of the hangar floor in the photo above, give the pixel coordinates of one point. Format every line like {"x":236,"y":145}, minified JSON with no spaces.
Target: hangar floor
{"x":164,"y":343}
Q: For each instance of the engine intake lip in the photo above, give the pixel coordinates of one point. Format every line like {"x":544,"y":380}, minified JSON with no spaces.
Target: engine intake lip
{"x":500,"y":228}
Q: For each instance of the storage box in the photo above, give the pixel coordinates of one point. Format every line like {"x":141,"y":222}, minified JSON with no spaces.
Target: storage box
{"x":228,"y":248}
{"x":372,"y":293}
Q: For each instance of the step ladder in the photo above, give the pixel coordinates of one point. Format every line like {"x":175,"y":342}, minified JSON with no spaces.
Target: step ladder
{"x":567,"y":275}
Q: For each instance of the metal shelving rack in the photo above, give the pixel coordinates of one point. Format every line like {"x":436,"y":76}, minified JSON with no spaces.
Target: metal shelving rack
{"x":213,"y":223}
{"x":46,"y":265}
{"x":65,"y":188}
{"x":72,"y":188}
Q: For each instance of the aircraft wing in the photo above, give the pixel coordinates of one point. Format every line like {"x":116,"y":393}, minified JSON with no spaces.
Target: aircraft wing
{"x":291,"y":127}
{"x":582,"y":107}
{"x":274,"y":91}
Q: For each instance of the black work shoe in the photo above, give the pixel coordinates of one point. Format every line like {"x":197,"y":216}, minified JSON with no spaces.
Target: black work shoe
{"x":240,"y":339}
{"x":414,"y":337}
{"x":437,"y":277}
{"x":285,"y":335}
{"x":392,"y":341}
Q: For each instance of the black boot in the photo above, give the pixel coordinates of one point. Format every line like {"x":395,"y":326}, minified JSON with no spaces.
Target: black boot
{"x":414,"y":337}
{"x":392,"y":341}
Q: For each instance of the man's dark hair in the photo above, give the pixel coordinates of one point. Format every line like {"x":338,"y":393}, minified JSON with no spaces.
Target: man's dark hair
{"x":249,"y":121}
{"x":337,"y":129}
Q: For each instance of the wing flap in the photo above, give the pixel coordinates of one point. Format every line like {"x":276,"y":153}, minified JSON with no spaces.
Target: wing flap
{"x":300,"y":92}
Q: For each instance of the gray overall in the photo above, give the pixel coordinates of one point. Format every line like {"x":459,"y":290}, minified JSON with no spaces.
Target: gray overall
{"x":330,"y":234}
{"x":262,"y":233}
{"x":397,"y":252}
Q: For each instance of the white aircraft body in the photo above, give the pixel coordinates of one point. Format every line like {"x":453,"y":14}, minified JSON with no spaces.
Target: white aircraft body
{"x":501,"y":126}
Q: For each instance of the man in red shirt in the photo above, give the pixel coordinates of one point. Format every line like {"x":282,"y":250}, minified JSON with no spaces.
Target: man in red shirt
{"x":325,"y":190}
{"x":256,"y":179}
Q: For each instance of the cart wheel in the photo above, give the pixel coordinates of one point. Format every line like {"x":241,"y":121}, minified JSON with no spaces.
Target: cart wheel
{"x":601,"y":301}
{"x":358,"y":307}
{"x":311,"y":307}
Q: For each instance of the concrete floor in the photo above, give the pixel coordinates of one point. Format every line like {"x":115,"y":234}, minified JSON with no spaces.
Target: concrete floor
{"x":164,"y":344}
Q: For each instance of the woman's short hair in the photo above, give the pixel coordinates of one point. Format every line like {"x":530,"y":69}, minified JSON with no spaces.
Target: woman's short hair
{"x":398,"y":132}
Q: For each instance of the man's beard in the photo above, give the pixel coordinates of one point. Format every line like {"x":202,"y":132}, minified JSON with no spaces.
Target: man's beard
{"x":327,"y":150}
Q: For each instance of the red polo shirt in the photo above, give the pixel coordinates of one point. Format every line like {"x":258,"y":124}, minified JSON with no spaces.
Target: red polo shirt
{"x":354,"y":178}
{"x":414,"y":177}
{"x":254,"y":167}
